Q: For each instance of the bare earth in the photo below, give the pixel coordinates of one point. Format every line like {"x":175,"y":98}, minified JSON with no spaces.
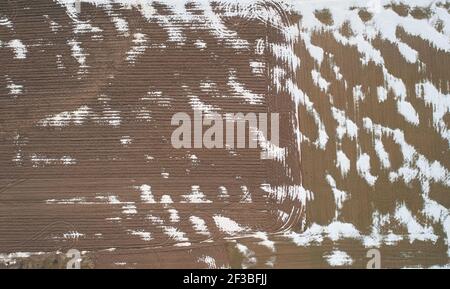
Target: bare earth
{"x":86,"y":161}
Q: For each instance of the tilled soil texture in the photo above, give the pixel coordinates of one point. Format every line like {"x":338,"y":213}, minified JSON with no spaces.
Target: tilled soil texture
{"x":87,"y":162}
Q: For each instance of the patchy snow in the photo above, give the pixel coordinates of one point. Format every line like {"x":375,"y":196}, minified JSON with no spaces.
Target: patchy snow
{"x":342,"y":162}
{"x":145,"y":236}
{"x":363,"y":168}
{"x":195,"y":196}
{"x":208,"y":260}
{"x":146,"y":194}
{"x":66,"y":118}
{"x":199,"y":225}
{"x":20,"y":50}
{"x":338,"y":258}
{"x":228,"y":225}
